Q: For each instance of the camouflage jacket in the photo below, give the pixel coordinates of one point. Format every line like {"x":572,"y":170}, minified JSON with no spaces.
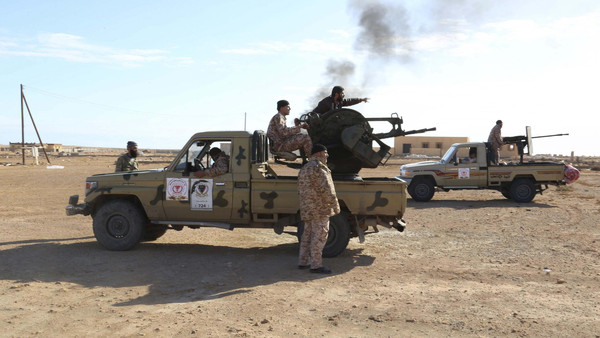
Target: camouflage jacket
{"x":495,"y":137}
{"x":316,"y":191}
{"x":278,"y":131}
{"x":327,"y":104}
{"x":126,"y":163}
{"x":220,"y":167}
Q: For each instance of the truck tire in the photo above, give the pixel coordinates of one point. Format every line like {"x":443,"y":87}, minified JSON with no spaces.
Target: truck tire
{"x":153,"y":232}
{"x":119,"y":225}
{"x":338,"y":237}
{"x":505,"y":191}
{"x":421,"y":189}
{"x":522,"y":190}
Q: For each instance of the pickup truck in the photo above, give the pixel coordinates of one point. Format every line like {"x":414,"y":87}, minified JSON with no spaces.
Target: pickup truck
{"x":130,"y":207}
{"x":468,"y":166}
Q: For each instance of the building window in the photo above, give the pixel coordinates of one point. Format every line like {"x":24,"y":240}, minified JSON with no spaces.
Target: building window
{"x":438,"y":145}
{"x":425,"y":145}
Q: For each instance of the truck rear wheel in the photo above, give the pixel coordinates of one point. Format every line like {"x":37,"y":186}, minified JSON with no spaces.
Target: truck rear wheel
{"x":337,"y":238}
{"x":119,"y":225}
{"x":522,"y":190}
{"x":421,"y":189}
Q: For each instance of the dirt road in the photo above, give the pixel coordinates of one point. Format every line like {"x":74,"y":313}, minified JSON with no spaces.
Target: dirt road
{"x":470,"y":263}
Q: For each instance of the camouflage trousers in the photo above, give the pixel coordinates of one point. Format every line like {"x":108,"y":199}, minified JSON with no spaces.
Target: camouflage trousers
{"x":313,"y":241}
{"x":295,"y":142}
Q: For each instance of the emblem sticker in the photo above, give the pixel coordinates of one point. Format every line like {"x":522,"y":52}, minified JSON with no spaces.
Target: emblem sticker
{"x":201,"y":194}
{"x":177,"y":189}
{"x":464,"y":173}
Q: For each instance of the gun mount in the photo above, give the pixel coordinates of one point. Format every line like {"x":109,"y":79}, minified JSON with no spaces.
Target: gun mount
{"x":525,"y":141}
{"x":349,"y":139}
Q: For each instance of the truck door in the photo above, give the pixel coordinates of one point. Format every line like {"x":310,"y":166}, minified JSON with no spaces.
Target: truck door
{"x":188,"y":198}
{"x":466,"y":169}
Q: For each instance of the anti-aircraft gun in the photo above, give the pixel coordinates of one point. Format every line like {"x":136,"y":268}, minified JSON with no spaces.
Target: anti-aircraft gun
{"x":349,"y":139}
{"x":525,"y":141}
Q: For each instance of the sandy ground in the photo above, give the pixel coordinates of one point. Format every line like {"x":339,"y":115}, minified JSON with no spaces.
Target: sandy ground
{"x":470,"y":263}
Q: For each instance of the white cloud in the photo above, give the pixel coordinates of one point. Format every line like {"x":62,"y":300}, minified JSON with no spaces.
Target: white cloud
{"x":244,"y":51}
{"x":74,"y":48}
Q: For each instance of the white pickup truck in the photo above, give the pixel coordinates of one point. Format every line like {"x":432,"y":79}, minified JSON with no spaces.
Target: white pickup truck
{"x":468,"y":166}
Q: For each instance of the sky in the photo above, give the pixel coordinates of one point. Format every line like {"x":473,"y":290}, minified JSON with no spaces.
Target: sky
{"x":101,"y":73}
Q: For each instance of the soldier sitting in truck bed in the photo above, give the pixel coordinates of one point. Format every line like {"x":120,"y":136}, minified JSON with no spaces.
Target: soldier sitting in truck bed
{"x":287,"y":139}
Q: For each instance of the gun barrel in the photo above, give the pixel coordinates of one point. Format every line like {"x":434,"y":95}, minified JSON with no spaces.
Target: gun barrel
{"x":549,"y":135}
{"x":419,"y":131}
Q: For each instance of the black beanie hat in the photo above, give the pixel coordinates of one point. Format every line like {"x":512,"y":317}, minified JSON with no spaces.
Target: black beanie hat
{"x":214,"y":152}
{"x":317,"y":148}
{"x":131,"y":144}
{"x":282,"y":103}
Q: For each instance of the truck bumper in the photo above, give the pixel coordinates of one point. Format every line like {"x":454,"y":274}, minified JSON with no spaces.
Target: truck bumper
{"x":77,"y":209}
{"x":405,"y":179}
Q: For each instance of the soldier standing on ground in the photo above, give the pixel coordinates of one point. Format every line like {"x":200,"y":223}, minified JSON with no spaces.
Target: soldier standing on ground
{"x":219,"y":167}
{"x":336,"y":101}
{"x":318,"y":202}
{"x":495,"y":139}
{"x":284,"y":138}
{"x":128,"y":161}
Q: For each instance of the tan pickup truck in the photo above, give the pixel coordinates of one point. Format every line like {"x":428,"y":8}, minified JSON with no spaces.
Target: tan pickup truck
{"x":130,"y":207}
{"x":467,"y":166}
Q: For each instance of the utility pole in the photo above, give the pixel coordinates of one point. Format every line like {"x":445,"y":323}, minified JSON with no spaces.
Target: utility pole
{"x":22,"y":128}
{"x":34,"y":127}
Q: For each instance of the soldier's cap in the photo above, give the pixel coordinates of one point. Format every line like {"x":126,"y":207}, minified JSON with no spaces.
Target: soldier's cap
{"x":131,"y":144}
{"x":317,"y":148}
{"x":214,"y":152}
{"x":499,"y":121}
{"x":282,"y":103}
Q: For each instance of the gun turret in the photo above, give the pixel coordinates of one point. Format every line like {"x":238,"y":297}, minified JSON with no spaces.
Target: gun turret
{"x":349,"y":139}
{"x":525,"y":141}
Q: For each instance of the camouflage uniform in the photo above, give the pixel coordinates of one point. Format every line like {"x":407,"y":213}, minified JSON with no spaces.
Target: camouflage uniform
{"x":126,"y":163}
{"x":318,"y":202}
{"x":220,"y":167}
{"x":288,"y":139}
{"x":327,"y":104}
{"x":495,"y":139}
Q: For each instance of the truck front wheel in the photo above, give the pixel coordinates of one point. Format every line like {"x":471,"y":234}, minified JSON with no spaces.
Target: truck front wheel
{"x":119,"y":225}
{"x":337,"y":238}
{"x":522,"y":190}
{"x":421,"y":189}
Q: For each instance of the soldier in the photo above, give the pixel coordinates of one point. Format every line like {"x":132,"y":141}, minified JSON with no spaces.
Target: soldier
{"x":496,"y":141}
{"x":284,"y":138}
{"x":318,"y":202}
{"x":128,"y":161}
{"x":336,"y":101}
{"x":219,"y":167}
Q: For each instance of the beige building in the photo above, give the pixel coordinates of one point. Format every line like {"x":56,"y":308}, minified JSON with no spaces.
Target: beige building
{"x":438,"y":145}
{"x":50,"y":147}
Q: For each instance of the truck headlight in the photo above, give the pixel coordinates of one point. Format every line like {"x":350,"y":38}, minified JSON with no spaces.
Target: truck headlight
{"x":89,"y":186}
{"x":404,"y":172}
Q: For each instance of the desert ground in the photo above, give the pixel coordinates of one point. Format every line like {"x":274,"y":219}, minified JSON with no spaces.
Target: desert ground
{"x":470,"y":264}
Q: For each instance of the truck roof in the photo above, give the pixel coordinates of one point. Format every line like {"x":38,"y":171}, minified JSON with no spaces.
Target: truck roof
{"x":468,"y":144}
{"x":224,"y":134}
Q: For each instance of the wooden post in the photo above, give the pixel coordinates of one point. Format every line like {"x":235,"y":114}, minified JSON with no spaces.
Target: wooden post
{"x":34,"y":126}
{"x":22,"y":127}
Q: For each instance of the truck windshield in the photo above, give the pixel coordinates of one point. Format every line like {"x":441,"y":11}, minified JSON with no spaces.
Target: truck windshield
{"x":449,"y":156}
